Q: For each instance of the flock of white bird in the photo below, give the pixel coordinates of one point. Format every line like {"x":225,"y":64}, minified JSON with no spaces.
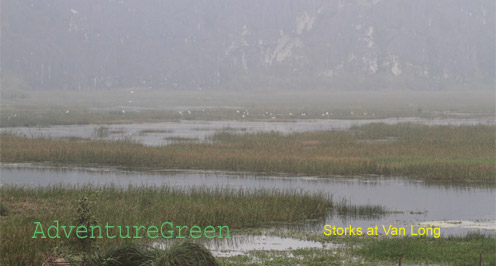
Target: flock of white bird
{"x":243,"y":113}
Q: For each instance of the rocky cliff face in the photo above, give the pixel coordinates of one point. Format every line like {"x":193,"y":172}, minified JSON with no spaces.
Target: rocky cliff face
{"x":338,"y":44}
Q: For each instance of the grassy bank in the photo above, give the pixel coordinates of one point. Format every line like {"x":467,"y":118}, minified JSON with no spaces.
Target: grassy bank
{"x":141,"y":207}
{"x":462,"y":153}
{"x":49,"y":107}
{"x":371,"y":251}
{"x":59,"y":115}
{"x":445,"y":251}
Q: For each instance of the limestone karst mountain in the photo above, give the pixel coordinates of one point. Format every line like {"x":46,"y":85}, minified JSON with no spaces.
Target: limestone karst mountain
{"x":246,"y":44}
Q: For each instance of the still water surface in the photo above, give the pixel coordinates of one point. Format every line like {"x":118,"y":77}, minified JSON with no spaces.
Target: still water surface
{"x":457,"y":208}
{"x":164,"y":133}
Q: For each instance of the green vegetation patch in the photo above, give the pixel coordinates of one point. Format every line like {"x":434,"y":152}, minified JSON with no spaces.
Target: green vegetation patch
{"x":135,"y":206}
{"x":455,"y":250}
{"x":185,"y":253}
{"x":450,"y":251}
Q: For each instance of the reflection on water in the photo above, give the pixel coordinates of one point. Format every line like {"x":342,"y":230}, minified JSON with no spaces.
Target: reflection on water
{"x":164,"y":133}
{"x":241,"y":244}
{"x":461,"y":224}
{"x":415,"y":201}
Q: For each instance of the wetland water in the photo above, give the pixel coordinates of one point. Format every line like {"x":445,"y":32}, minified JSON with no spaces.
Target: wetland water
{"x":155,"y":134}
{"x":456,"y":208}
{"x":241,"y":244}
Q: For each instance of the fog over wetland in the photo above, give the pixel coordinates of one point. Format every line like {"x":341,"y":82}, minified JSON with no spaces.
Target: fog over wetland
{"x":356,"y":113}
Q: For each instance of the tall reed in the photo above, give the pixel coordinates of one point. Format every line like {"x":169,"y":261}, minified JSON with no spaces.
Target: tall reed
{"x":457,"y":153}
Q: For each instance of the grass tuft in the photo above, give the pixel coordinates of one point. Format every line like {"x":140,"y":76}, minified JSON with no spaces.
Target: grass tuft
{"x":4,"y":209}
{"x":185,"y":253}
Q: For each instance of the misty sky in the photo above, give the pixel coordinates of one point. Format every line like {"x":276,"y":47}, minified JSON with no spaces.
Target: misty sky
{"x":242,"y":45}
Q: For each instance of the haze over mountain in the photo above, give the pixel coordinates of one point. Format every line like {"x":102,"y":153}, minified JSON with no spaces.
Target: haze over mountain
{"x":248,"y":44}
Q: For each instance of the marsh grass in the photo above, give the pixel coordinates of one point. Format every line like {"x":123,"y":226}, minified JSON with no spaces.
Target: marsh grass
{"x":371,"y":251}
{"x":453,"y":153}
{"x":49,"y":107}
{"x":176,"y":139}
{"x":347,"y":210}
{"x":185,"y":253}
{"x":32,"y":116}
{"x":155,"y":131}
{"x":142,"y":206}
{"x":446,"y":251}
{"x":101,"y":132}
